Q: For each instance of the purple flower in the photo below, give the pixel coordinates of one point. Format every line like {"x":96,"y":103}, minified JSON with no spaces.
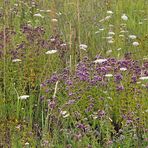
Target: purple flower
{"x":118,"y":78}
{"x":134,"y":79}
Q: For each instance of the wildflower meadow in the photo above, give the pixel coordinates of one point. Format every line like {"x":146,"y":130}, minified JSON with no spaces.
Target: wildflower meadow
{"x":74,"y":74}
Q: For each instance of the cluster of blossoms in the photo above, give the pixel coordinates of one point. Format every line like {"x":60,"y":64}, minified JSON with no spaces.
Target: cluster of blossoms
{"x":102,"y":71}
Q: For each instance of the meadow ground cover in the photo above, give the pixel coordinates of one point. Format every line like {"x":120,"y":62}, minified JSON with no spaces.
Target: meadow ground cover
{"x":74,"y":73}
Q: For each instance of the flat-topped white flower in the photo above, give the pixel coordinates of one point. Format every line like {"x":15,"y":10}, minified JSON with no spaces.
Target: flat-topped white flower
{"x":63,"y":112}
{"x":38,"y":15}
{"x":109,"y":51}
{"x":118,"y":49}
{"x":67,"y":115}
{"x":110,"y":41}
{"x":101,"y":29}
{"x":24,"y":97}
{"x":135,"y":44}
{"x":123,"y":68}
{"x":83,"y":46}
{"x":16,"y":60}
{"x":64,"y":44}
{"x":48,"y":10}
{"x":106,"y":18}
{"x":123,"y":31}
{"x":144,"y":78}
{"x":121,"y":35}
{"x":52,"y":39}
{"x":132,"y":36}
{"x":51,"y":51}
{"x":108,"y":75}
{"x":54,"y":20}
{"x":110,"y":12}
{"x":124,"y":17}
{"x":108,"y":37}
{"x":100,"y":60}
{"x":111,"y":33}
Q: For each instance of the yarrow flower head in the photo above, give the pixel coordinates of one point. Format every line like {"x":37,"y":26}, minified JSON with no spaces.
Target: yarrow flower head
{"x":110,"y":12}
{"x":38,"y":15}
{"x":135,"y":44}
{"x":100,"y":60}
{"x":83,"y":46}
{"x":124,"y":17}
{"x":54,"y":20}
{"x":143,"y":78}
{"x":132,"y":36}
{"x":108,"y":75}
{"x":123,"y":68}
{"x":51,"y":51}
{"x":16,"y":60}
{"x":24,"y":97}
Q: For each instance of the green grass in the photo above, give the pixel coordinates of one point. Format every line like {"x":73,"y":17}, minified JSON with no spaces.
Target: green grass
{"x":31,"y":120}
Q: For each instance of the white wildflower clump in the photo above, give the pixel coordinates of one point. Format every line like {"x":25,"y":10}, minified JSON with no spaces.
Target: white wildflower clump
{"x":101,"y":29}
{"x":110,"y":12}
{"x":132,"y":36}
{"x":111,"y":33}
{"x":123,"y":68}
{"x":24,"y":97}
{"x":135,"y":44}
{"x":109,"y":51}
{"x":144,"y":78}
{"x":51,"y":51}
{"x":16,"y":60}
{"x":54,"y":20}
{"x":110,"y":41}
{"x":118,"y":49}
{"x":108,"y":37}
{"x":38,"y":15}
{"x":121,"y":35}
{"x":108,"y":75}
{"x":83,"y":46}
{"x":64,"y":114}
{"x":124,"y":17}
{"x":100,"y":60}
{"x":106,"y":18}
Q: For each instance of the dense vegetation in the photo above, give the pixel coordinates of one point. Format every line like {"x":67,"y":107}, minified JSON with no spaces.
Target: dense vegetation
{"x":74,"y":73}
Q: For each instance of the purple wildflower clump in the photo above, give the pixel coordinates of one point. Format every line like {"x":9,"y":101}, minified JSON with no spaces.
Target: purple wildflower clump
{"x":82,"y":72}
{"x":118,"y":77}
